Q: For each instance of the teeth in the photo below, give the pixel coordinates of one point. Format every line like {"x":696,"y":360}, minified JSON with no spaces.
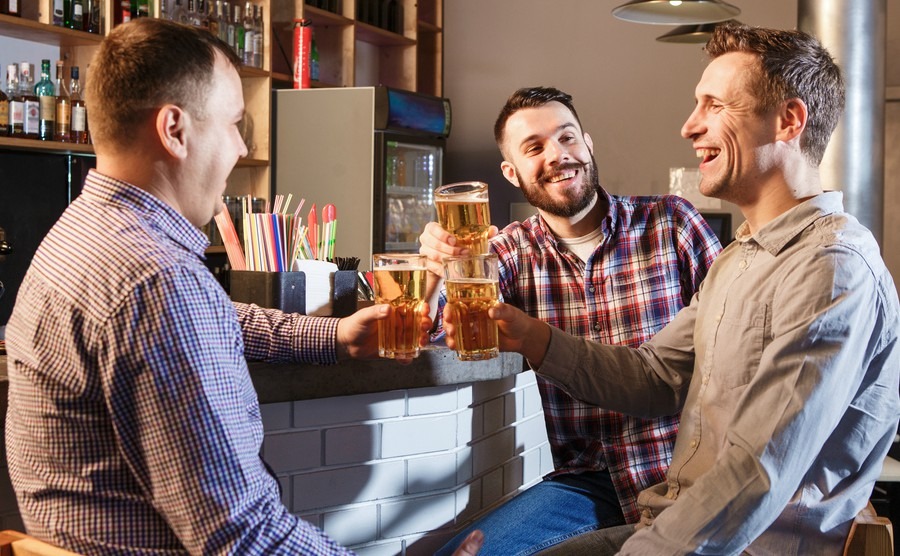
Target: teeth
{"x":562,"y":176}
{"x":703,"y":153}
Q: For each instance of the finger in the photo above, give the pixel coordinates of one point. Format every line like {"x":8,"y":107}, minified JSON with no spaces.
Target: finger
{"x":471,"y":545}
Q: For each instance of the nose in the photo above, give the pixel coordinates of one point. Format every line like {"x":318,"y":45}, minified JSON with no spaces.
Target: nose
{"x":555,"y":153}
{"x":692,"y":126}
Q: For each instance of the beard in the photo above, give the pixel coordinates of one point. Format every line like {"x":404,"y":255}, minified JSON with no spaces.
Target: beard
{"x":574,"y":200}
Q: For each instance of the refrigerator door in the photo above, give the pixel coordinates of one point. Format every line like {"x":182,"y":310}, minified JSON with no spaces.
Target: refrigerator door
{"x":412,"y":168}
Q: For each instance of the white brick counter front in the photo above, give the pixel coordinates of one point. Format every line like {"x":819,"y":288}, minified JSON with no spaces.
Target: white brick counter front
{"x":399,"y":472}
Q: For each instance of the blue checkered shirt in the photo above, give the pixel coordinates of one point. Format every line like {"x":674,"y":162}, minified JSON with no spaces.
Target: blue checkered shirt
{"x":133,"y":426}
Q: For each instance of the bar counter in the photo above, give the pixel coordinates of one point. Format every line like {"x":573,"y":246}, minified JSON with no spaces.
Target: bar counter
{"x":389,"y":458}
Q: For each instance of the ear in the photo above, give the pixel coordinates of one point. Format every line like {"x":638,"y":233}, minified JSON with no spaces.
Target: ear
{"x":171,"y":127}
{"x":589,"y":142}
{"x":791,"y":120}
{"x":509,"y":172}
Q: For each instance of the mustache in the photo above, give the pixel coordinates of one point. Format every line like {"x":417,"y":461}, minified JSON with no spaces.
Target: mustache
{"x":562,"y":168}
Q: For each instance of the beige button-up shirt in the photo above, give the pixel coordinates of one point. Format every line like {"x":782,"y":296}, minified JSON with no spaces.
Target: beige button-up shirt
{"x":787,"y":367}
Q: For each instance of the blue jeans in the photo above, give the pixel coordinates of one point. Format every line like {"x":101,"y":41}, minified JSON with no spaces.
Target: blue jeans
{"x":546,"y":514}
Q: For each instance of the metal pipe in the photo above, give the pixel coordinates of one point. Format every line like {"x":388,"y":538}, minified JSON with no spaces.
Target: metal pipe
{"x":854,"y":31}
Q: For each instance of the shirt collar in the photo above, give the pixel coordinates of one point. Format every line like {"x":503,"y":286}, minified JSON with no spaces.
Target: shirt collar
{"x":608,"y":223}
{"x":778,"y":233}
{"x":160,"y":215}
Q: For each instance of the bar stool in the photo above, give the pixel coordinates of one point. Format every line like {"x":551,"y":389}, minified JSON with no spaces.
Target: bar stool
{"x":14,"y":543}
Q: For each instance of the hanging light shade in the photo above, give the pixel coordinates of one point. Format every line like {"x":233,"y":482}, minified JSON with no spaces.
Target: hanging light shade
{"x":676,"y":12}
{"x":692,"y":34}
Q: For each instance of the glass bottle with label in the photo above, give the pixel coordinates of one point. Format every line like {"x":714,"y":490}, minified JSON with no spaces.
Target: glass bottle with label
{"x":4,"y":112}
{"x":79,"y":133}
{"x":249,"y":30}
{"x":63,"y":107}
{"x":221,"y":11}
{"x":46,"y":93}
{"x":239,"y":32}
{"x":16,"y":108}
{"x":258,"y":36}
{"x":75,"y":19}
{"x":30,"y":101}
{"x":313,"y":59}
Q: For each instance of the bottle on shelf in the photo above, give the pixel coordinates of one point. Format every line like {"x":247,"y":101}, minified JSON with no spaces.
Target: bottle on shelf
{"x":239,"y":31}
{"x":46,"y":93}
{"x":59,"y":13}
{"x":229,"y":25}
{"x":30,"y":102}
{"x":313,"y":59}
{"x":79,"y":130}
{"x":258,"y":36}
{"x":143,"y":8}
{"x":92,"y":15}
{"x":221,"y":11}
{"x":63,"y":107}
{"x":16,"y":108}
{"x":202,"y":15}
{"x":179,"y":14}
{"x":11,"y":7}
{"x":75,"y":17}
{"x":213,"y":19}
{"x":249,"y":30}
{"x":4,"y":112}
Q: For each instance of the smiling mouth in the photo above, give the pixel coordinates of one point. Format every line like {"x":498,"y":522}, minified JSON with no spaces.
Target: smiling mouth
{"x":562,"y":176}
{"x":707,"y":155}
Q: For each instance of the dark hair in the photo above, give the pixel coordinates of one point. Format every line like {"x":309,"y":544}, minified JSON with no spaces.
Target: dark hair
{"x":145,"y":64}
{"x":530,"y":97}
{"x":792,"y":64}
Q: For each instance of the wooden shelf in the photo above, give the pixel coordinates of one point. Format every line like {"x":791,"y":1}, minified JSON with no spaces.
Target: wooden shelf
{"x":247,"y":72}
{"x":34,"y":31}
{"x":324,"y":18}
{"x":45,"y":146}
{"x":251,"y":163}
{"x":427,"y":27}
{"x":378,"y":36}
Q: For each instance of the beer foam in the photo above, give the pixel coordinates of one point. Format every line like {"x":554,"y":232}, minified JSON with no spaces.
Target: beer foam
{"x":406,"y":267}
{"x":475,"y":198}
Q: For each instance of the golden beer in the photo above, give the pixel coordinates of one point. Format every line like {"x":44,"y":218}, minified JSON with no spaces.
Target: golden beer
{"x":463,"y":210}
{"x":468,"y":220}
{"x":400,"y":284}
{"x":476,"y":332}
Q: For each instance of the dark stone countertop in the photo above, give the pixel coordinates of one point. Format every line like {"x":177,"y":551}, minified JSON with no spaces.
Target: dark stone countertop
{"x":280,"y":382}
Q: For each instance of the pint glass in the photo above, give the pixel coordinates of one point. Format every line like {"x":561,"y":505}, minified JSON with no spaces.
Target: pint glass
{"x":400,"y":283}
{"x":473,"y":288}
{"x":463,"y":211}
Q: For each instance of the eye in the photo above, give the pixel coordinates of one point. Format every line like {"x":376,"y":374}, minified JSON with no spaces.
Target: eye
{"x":567,"y":138}
{"x":532,"y":149}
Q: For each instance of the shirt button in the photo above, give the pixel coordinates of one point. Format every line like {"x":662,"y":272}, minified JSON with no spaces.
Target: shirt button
{"x":597,"y":326}
{"x":706,"y":378}
{"x":743,"y":265}
{"x":591,"y":289}
{"x":693,"y":443}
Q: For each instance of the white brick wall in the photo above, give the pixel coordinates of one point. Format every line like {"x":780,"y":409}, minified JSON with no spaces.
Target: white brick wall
{"x":400,"y":472}
{"x":395,"y":473}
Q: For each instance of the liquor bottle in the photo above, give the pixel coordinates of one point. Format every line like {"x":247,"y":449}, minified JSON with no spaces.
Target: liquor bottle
{"x":59,"y":13}
{"x":221,"y":10}
{"x":193,"y":17}
{"x":213,"y":18}
{"x":30,"y":101}
{"x":16,"y":108}
{"x":249,"y":30}
{"x":239,"y":32}
{"x":12,"y":7}
{"x":313,"y":59}
{"x":92,"y":16}
{"x":258,"y":35}
{"x":229,"y":27}
{"x":46,"y":93}
{"x":178,"y":13}
{"x":144,"y":8}
{"x":4,"y":112}
{"x":79,"y":131}
{"x":63,"y":107}
{"x":76,"y":17}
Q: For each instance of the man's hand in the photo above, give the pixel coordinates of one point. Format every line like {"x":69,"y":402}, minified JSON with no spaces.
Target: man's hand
{"x":471,"y":545}
{"x":517,"y":331}
{"x":357,"y":335}
{"x":437,"y":244}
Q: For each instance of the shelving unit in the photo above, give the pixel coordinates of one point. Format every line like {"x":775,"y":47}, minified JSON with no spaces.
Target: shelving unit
{"x":351,"y":53}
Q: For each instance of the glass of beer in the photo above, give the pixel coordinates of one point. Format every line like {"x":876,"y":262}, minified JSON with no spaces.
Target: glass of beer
{"x":400,"y":283}
{"x":463,"y":211}
{"x":473,"y":288}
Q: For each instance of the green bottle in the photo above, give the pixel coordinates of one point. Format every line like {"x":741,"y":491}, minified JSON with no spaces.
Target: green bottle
{"x":45,"y":91}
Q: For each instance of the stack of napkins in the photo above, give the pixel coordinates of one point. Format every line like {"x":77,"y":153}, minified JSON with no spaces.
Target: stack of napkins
{"x":319,"y":285}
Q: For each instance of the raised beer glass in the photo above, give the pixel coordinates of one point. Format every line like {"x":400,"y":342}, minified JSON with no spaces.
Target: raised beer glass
{"x":400,"y":283}
{"x":473,"y":288}
{"x":463,"y":211}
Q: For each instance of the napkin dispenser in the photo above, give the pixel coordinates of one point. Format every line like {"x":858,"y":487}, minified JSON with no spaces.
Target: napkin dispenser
{"x":307,"y":292}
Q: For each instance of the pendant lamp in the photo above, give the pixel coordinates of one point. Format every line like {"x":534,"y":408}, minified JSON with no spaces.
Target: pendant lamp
{"x":676,"y":12}
{"x":692,"y":34}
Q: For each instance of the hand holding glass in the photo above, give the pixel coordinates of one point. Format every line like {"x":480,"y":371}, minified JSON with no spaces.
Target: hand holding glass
{"x":400,"y":283}
{"x":463,"y":211}
{"x":473,"y":288}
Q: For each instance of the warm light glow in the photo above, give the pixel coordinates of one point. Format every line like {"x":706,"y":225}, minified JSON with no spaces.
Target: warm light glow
{"x":675,"y":2}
